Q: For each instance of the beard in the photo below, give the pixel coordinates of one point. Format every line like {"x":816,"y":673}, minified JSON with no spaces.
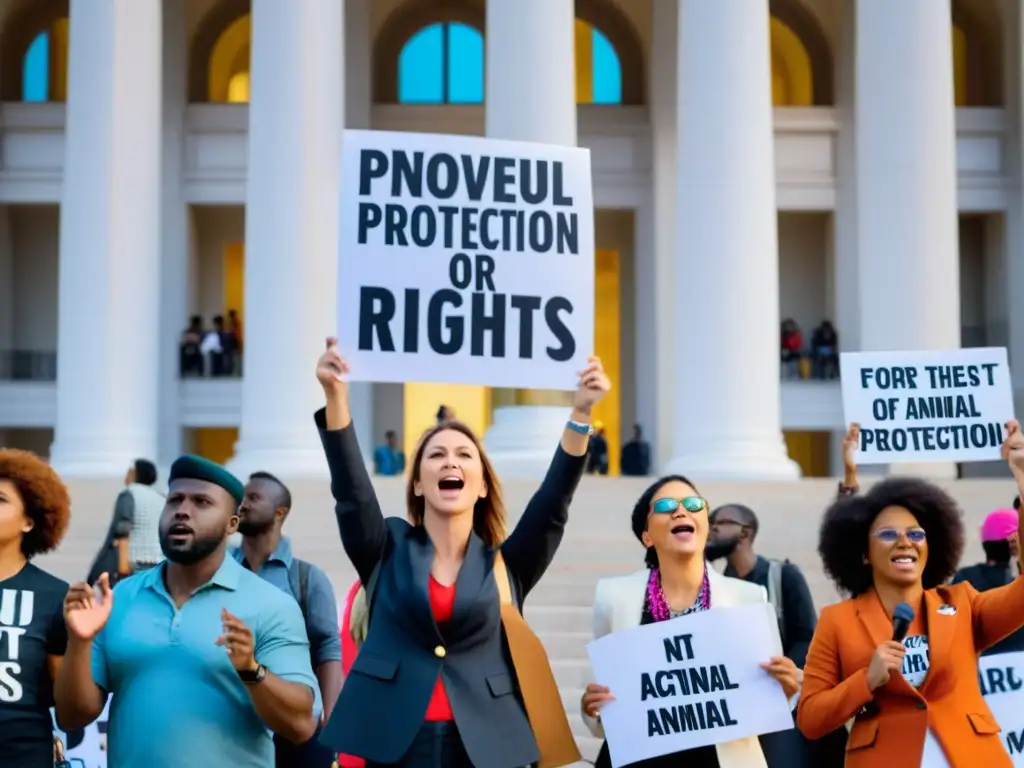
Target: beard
{"x":716,"y":550}
{"x":248,"y":527}
{"x":194,"y":552}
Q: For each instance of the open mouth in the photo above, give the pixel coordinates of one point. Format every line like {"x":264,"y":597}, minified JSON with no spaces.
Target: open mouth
{"x":683,"y":530}
{"x":904,"y":562}
{"x":451,"y":483}
{"x":178,"y":530}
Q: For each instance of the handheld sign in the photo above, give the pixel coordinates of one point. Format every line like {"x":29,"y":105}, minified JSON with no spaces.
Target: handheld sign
{"x":1002,"y":683}
{"x":690,"y":682}
{"x":465,"y":260}
{"x":941,"y":405}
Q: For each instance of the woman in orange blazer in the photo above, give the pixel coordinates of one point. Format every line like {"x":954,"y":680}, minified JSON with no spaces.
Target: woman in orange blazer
{"x":916,"y":702}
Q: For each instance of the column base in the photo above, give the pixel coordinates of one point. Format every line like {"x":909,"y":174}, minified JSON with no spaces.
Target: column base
{"x":523,"y":438}
{"x":92,"y":467}
{"x":288,"y":460}
{"x":736,"y":461}
{"x":87,"y":460}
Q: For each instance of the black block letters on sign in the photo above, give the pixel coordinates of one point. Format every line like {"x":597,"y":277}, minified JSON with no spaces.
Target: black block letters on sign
{"x":516,"y":206}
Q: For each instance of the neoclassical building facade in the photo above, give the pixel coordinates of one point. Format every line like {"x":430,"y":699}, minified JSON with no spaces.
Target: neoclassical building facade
{"x":858,"y":161}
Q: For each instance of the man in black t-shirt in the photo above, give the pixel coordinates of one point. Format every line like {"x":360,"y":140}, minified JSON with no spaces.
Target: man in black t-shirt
{"x":32,"y":637}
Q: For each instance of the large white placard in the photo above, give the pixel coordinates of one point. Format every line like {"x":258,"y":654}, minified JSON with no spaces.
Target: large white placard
{"x":465,"y":260}
{"x":947,"y":405}
{"x":689,"y":682}
{"x":1002,"y":682}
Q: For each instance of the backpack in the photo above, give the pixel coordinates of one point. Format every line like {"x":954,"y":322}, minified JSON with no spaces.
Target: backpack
{"x":298,"y":580}
{"x":775,"y":594}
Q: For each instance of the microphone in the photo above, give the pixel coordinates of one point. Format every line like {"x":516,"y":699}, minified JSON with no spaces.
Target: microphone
{"x":902,"y":615}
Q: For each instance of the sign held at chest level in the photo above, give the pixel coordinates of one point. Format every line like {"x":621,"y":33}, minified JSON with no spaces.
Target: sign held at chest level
{"x":465,"y":260}
{"x":690,"y":682}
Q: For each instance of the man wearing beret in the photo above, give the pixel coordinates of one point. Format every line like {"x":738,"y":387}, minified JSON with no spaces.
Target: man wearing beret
{"x":204,"y":660}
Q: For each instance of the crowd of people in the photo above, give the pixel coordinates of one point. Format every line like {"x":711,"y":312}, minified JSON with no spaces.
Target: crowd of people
{"x":214,"y":655}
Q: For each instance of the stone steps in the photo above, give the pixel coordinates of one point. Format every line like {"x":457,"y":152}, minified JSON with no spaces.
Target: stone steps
{"x":598,"y":543}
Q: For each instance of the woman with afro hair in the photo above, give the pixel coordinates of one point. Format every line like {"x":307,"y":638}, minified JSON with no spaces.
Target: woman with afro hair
{"x":913,"y":695}
{"x":34,"y":512}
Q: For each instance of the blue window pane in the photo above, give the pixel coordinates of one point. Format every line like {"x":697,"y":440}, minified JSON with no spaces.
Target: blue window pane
{"x":607,"y":71}
{"x":420,"y":67}
{"x":465,"y":65}
{"x":35,"y":85}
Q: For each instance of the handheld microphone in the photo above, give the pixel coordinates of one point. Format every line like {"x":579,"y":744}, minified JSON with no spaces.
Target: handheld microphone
{"x":902,"y":615}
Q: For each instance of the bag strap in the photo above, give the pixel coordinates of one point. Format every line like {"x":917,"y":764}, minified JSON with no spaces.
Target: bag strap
{"x":775,"y":596}
{"x":298,"y":580}
{"x":541,"y":698}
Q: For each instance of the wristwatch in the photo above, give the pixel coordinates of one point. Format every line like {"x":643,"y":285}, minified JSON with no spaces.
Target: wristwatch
{"x":253,"y":676}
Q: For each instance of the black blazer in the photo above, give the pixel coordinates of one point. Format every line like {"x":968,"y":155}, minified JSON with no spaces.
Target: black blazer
{"x":384,"y":699}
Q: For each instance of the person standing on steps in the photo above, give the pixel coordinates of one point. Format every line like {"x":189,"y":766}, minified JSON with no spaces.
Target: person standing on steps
{"x":917,"y":701}
{"x":34,"y":514}
{"x":449,"y":674}
{"x":267,"y":552}
{"x":203,"y":659}
{"x":734,"y":529}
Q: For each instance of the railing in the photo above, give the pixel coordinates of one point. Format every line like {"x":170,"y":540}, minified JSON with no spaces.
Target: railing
{"x":28,"y":365}
{"x":193,"y":364}
{"x":807,"y":366}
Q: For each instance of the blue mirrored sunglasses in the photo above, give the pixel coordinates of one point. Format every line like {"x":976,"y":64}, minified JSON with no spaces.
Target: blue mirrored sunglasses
{"x":891,"y":535}
{"x":689,"y":503}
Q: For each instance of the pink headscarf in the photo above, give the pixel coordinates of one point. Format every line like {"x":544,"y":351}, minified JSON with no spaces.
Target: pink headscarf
{"x":999,"y":525}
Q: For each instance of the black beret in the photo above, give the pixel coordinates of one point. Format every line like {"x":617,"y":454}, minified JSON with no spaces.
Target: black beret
{"x":192,"y":467}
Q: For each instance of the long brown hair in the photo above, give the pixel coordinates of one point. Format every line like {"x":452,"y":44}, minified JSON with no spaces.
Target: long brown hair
{"x":488,"y":512}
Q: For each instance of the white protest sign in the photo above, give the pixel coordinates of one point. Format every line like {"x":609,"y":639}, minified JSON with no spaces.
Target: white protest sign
{"x":690,"y":682}
{"x":1002,"y":683}
{"x":465,"y":260}
{"x":943,"y":405}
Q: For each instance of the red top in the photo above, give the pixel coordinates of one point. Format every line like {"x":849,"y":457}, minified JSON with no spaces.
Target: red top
{"x":442,"y":601}
{"x":349,"y":649}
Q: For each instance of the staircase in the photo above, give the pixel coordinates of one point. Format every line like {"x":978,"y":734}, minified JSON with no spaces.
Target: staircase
{"x":598,"y":543}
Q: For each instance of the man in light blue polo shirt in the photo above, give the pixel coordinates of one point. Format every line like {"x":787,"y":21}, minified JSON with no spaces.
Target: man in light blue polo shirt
{"x":267,"y":552}
{"x":204,"y":660}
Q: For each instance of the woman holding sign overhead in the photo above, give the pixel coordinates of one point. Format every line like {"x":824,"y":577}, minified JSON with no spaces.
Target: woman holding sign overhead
{"x":671,"y":521}
{"x":900,"y":656}
{"x":449,"y":675}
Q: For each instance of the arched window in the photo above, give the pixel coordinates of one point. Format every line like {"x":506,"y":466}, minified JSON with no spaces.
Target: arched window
{"x":45,"y":66}
{"x":598,"y":70}
{"x":443,"y":63}
{"x":959,"y":66}
{"x":792,"y":72}
{"x":228,"y":75}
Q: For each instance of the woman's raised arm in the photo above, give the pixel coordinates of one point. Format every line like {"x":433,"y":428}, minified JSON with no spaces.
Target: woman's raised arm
{"x":531,"y":547}
{"x":360,"y":521}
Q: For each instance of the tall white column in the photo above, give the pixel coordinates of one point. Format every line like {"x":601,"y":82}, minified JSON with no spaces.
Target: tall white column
{"x":174,"y":268}
{"x":359,"y":115}
{"x":109,"y":295}
{"x":907,"y":212}
{"x":530,"y":96}
{"x":291,"y":230}
{"x":727,"y":412}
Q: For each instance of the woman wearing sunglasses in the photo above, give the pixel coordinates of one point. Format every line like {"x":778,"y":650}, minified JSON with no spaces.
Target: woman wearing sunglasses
{"x":671,"y":521}
{"x":915,"y":702}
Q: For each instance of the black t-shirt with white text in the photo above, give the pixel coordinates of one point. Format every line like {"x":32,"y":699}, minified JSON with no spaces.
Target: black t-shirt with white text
{"x":31,"y":628}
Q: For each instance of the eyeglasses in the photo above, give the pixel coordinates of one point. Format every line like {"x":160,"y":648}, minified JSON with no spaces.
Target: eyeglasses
{"x":891,"y":535}
{"x":689,"y":503}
